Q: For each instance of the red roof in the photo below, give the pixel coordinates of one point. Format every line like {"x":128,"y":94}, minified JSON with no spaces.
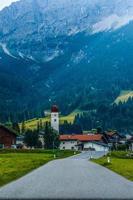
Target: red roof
{"x":83,"y":138}
{"x":54,"y":108}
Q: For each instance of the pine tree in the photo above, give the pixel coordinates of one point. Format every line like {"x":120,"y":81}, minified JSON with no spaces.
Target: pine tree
{"x":23,"y":127}
{"x":15,"y":126}
{"x":38,"y":126}
{"x":41,"y":124}
{"x":31,"y":138}
{"x":51,"y":138}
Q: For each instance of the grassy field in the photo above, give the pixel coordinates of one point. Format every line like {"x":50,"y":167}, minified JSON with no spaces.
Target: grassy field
{"x":32,"y":124}
{"x":124,"y":96}
{"x":120,"y":163}
{"x":16,"y":163}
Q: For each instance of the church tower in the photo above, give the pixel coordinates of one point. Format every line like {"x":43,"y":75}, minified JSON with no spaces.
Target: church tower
{"x":55,"y":118}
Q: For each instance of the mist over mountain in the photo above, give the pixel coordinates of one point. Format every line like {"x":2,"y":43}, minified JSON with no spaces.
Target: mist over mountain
{"x":71,"y":53}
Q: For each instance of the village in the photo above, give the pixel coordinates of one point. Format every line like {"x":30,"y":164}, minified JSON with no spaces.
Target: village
{"x":54,"y":159}
{"x":66,"y":99}
{"x":106,"y":141}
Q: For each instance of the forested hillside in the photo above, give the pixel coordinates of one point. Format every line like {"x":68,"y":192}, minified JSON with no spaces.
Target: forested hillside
{"x":79,"y":61}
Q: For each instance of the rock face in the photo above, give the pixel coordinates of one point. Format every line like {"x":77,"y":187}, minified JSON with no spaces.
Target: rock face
{"x":32,"y":28}
{"x":54,"y":50}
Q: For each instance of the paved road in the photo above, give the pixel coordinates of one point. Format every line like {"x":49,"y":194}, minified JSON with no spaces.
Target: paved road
{"x":90,"y":154}
{"x":73,"y":178}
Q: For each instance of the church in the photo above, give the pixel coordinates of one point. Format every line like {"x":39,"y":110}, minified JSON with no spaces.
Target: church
{"x":55,"y":118}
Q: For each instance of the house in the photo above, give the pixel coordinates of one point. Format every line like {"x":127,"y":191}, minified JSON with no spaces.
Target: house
{"x":20,"y":141}
{"x":131,"y":146}
{"x":114,"y":138}
{"x":7,"y":137}
{"x":68,"y":142}
{"x":96,"y":146}
{"x":128,"y":136}
{"x":130,"y":142}
{"x":83,"y":142}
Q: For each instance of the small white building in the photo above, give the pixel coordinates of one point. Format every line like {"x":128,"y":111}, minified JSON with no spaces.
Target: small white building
{"x":20,"y":140}
{"x":128,"y":136}
{"x":96,"y":146}
{"x":83,"y":142}
{"x":132,"y":146}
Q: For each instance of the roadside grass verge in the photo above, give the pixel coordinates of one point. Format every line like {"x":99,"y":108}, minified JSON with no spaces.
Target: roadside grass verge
{"x":121,"y":163}
{"x":16,"y":163}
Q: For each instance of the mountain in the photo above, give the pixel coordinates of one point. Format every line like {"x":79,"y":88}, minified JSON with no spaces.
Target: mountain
{"x":72,"y":53}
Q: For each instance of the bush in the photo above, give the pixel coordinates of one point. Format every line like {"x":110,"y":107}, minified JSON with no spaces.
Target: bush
{"x":122,"y":147}
{"x":119,"y":154}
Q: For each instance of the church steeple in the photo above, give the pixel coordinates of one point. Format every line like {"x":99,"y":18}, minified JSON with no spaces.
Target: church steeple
{"x":55,"y":118}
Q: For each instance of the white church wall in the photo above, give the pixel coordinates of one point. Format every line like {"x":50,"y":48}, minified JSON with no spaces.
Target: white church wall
{"x":55,"y":121}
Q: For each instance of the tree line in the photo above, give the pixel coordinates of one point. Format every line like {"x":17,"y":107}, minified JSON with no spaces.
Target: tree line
{"x":47,"y":138}
{"x":114,"y":116}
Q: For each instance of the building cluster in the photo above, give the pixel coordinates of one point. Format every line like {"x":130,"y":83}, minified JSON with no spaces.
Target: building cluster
{"x":97,"y":142}
{"x":82,"y":142}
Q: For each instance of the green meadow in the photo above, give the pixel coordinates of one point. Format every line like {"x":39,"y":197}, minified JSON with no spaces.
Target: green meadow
{"x":16,"y":163}
{"x":32,"y":124}
{"x":121,"y":163}
{"x":124,"y":96}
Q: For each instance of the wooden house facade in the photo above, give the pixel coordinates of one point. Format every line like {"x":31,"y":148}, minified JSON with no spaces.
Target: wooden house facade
{"x":7,"y":137}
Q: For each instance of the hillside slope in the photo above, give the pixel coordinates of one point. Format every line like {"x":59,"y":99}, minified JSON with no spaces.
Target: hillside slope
{"x":124,"y":96}
{"x":50,"y":54}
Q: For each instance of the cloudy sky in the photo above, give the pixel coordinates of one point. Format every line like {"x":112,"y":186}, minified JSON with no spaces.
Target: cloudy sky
{"x":4,"y":3}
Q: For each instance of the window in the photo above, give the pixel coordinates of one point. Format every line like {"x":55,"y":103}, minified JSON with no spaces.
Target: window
{"x":72,"y":148}
{"x":54,"y":120}
{"x":63,"y":142}
{"x":64,"y":148}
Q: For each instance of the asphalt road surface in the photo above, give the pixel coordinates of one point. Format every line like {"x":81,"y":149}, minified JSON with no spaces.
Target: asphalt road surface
{"x":70,"y":178}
